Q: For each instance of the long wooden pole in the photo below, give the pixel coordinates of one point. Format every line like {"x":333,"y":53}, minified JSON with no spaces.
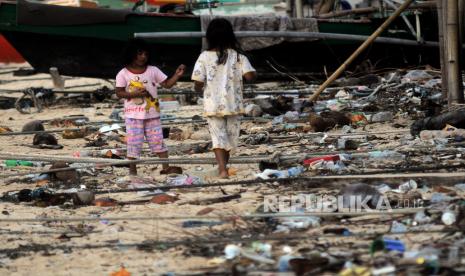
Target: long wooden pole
{"x":454,"y":76}
{"x":299,"y":9}
{"x":291,"y":34}
{"x":442,"y":44}
{"x":461,"y":40}
{"x":407,"y":22}
{"x":360,"y":49}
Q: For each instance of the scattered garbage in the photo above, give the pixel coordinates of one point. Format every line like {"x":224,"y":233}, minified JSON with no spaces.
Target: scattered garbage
{"x":257,"y":138}
{"x":33,"y":126}
{"x":291,"y":116}
{"x":447,"y":132}
{"x":40,"y":197}
{"x":360,"y":193}
{"x":108,"y":128}
{"x":398,"y":227}
{"x":449,"y":217}
{"x":84,"y":197}
{"x":105,"y":202}
{"x":121,"y":272}
{"x":313,"y":160}
{"x":74,"y":134}
{"x":15,"y":163}
{"x":200,"y":223}
{"x":422,"y":218}
{"x":328,"y":120}
{"x":406,"y":187}
{"x":417,"y":75}
{"x":291,"y":172}
{"x":386,"y":154}
{"x":387,"y":244}
{"x":367,"y":116}
{"x":69,"y":176}
{"x":253,"y":110}
{"x":283,"y":262}
{"x":380,"y":117}
{"x":287,"y":224}
{"x":185,"y":179}
{"x":163,"y":198}
{"x":453,"y":118}
{"x":46,"y":139}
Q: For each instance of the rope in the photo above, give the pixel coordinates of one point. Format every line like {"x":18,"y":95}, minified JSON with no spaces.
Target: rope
{"x":241,"y":160}
{"x":51,"y":158}
{"x":167,"y":124}
{"x":304,"y":180}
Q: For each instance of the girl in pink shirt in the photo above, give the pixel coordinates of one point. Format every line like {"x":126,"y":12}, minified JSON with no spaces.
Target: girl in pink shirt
{"x":137,"y":84}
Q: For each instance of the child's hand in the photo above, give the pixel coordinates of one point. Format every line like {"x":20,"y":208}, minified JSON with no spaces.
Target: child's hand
{"x":141,"y":94}
{"x":180,"y":70}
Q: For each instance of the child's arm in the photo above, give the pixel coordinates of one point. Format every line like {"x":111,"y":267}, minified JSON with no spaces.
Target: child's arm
{"x":198,"y":86}
{"x":248,"y":72}
{"x":250,"y":76}
{"x":168,"y":83}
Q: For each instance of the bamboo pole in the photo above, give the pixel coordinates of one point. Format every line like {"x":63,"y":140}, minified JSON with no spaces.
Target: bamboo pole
{"x":368,"y":10}
{"x":442,"y":44}
{"x":461,"y":39}
{"x":360,"y":49}
{"x":299,"y":9}
{"x":289,"y":8}
{"x":452,"y":45}
{"x":290,"y":34}
{"x":347,"y":12}
{"x":407,"y":22}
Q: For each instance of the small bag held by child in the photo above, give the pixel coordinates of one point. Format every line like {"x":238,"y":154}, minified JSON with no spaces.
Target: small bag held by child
{"x":133,"y":87}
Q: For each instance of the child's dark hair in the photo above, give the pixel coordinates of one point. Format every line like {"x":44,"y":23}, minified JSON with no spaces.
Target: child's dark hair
{"x":220,"y":36}
{"x":133,"y":47}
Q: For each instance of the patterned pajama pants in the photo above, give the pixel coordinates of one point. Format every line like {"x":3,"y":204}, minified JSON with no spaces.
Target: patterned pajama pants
{"x":224,"y":132}
{"x":137,"y":130}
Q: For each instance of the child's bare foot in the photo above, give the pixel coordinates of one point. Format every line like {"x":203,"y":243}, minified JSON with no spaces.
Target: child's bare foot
{"x":224,"y":174}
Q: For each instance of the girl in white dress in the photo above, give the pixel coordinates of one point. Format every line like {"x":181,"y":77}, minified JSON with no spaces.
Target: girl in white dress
{"x":219,"y":73}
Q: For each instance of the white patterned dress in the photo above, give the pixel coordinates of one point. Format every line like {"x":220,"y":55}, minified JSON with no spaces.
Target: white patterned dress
{"x":223,"y":104}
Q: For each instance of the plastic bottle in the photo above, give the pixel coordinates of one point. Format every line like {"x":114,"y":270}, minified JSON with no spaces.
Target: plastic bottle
{"x":421,"y":217}
{"x":82,"y":153}
{"x":333,"y":158}
{"x":295,"y":171}
{"x":231,"y":251}
{"x":454,"y":255}
{"x":283,"y":263}
{"x":268,"y":174}
{"x":448,"y":217}
{"x":383,"y":116}
{"x":398,"y":227}
{"x":407,"y":186}
{"x":440,"y":197}
{"x":14,"y":163}
{"x":262,"y":248}
{"x":393,"y":245}
{"x":386,"y":154}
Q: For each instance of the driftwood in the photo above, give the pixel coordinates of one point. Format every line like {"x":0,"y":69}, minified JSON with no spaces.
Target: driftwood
{"x":454,"y":118}
{"x":209,"y":201}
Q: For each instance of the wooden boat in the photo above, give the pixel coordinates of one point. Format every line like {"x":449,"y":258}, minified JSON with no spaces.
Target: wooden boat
{"x":89,"y":42}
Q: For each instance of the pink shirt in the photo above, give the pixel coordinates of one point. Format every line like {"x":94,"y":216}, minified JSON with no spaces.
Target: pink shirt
{"x":150,"y":107}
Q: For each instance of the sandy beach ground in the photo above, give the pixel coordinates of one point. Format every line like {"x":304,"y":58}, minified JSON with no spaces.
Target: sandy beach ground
{"x":100,"y":247}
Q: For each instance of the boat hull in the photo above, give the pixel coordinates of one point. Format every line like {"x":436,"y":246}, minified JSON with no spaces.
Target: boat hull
{"x":8,"y":54}
{"x":101,"y":58}
{"x":95,"y":50}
